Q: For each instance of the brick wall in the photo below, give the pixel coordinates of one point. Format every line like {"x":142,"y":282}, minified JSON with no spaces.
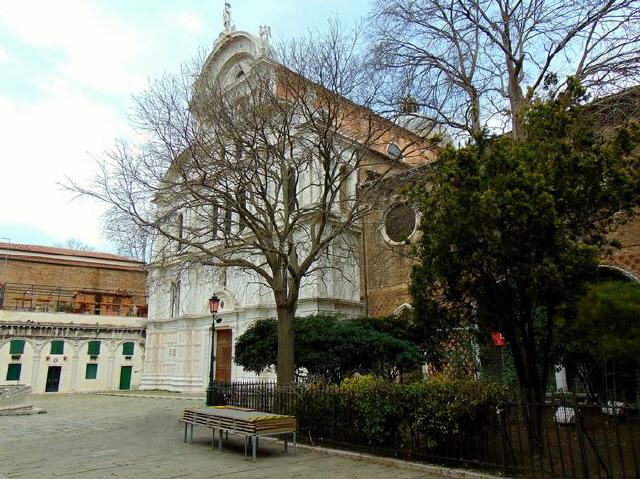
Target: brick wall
{"x":386,"y":269}
{"x":628,"y":257}
{"x":67,"y":276}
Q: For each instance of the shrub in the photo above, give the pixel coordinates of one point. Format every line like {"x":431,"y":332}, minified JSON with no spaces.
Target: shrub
{"x":331,"y":347}
{"x":437,"y":409}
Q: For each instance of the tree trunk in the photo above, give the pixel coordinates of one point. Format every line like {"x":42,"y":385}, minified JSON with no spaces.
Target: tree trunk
{"x":286,"y":340}
{"x":476,"y":128}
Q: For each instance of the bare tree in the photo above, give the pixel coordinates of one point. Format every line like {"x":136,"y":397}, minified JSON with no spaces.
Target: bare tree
{"x":475,"y":64}
{"x":258,"y":170}
{"x":129,"y":238}
{"x":75,"y":243}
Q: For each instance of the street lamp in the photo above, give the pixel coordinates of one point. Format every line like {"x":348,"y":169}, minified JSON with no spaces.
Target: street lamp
{"x":214,"y":304}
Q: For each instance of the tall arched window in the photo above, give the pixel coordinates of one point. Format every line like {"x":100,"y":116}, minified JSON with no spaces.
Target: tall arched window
{"x":242,"y":203}
{"x":180,"y":225}
{"x":228,"y":218}
{"x":344,"y":189}
{"x":175,"y":299}
{"x":214,"y":220}
{"x":292,"y":200}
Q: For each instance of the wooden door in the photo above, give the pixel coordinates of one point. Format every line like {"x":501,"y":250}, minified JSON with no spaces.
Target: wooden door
{"x":223,"y":355}
{"x":125,"y":377}
{"x":53,"y":379}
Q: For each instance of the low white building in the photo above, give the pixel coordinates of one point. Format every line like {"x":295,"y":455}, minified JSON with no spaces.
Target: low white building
{"x":70,"y":352}
{"x":70,"y":320}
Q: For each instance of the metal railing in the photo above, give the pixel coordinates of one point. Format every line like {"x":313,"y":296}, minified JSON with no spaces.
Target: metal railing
{"x":78,"y":300}
{"x":557,"y":439}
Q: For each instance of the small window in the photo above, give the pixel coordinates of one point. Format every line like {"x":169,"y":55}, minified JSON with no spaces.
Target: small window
{"x":394,"y":151}
{"x":91,"y":372}
{"x":127,"y":349}
{"x":16,"y":347}
{"x":97,"y":305}
{"x":57,"y":347}
{"x":13,"y":372}
{"x":94,"y":348}
{"x":400,"y":222}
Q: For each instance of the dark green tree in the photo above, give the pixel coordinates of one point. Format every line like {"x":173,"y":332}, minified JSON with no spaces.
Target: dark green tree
{"x":331,"y":347}
{"x":512,"y":229}
{"x":605,"y":331}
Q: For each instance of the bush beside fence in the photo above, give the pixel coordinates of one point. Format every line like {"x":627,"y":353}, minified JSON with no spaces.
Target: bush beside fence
{"x":458,"y":423}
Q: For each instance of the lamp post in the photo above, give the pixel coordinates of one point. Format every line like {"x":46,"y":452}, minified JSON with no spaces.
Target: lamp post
{"x":214,"y":303}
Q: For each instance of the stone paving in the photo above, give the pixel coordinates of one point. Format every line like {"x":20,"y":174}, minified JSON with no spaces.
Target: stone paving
{"x":88,"y":436}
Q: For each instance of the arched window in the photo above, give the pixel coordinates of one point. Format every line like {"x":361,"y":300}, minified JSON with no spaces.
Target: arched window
{"x":214,"y":220}
{"x":179,"y":225}
{"x":292,"y":199}
{"x":228,"y":218}
{"x":344,"y":189}
{"x":175,"y":299}
{"x":128,"y":349}
{"x":242,"y":203}
{"x":403,"y":309}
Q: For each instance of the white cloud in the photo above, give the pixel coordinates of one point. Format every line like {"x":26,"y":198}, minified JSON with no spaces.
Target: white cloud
{"x":99,"y":49}
{"x":44,"y":143}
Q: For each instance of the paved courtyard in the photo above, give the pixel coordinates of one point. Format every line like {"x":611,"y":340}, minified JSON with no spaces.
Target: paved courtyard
{"x":91,"y":436}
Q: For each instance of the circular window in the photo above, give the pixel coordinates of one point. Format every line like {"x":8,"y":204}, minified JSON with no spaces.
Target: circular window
{"x":394,"y":151}
{"x":400,"y":222}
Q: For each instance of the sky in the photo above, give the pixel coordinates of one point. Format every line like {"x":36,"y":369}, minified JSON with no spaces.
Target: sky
{"x":68,"y":69}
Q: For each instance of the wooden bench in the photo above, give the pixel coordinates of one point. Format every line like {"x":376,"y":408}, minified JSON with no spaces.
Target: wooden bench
{"x":249,"y":423}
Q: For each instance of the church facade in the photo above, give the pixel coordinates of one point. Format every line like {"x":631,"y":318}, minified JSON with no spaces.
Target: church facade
{"x":179,"y":340}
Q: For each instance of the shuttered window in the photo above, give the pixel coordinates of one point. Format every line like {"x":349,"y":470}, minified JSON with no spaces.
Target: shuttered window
{"x":13,"y":372}
{"x":57,"y":347}
{"x":127,"y":349}
{"x":16,"y":347}
{"x":91,"y":372}
{"x":94,"y":348}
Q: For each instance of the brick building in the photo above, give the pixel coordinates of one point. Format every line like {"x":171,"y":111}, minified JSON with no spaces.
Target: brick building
{"x":70,"y":320}
{"x":386,"y":264}
{"x":387,"y":253}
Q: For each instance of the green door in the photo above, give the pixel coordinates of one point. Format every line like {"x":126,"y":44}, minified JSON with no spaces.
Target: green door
{"x":125,"y":377}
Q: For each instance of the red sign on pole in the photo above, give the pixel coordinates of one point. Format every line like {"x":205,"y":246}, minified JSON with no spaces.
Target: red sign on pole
{"x":497,"y":339}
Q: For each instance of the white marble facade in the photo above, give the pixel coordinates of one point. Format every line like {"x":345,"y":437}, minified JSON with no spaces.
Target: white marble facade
{"x":178,"y":342}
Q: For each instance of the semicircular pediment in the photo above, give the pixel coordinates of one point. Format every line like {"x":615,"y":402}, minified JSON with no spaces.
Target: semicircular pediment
{"x":231,"y":53}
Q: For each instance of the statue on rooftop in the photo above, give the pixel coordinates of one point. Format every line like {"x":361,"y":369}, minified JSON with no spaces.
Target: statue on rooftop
{"x":228,"y":24}
{"x":265,"y":37}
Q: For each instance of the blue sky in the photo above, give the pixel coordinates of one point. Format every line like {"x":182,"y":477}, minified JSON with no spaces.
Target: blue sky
{"x":67,"y":72}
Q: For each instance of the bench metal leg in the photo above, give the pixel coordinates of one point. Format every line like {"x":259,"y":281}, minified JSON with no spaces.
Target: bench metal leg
{"x":186,"y":425}
{"x":294,"y":444}
{"x":220,"y":440}
{"x":213,"y":437}
{"x":191,"y":435}
{"x":254,"y":446}
{"x":286,"y":443}
{"x":246,"y":443}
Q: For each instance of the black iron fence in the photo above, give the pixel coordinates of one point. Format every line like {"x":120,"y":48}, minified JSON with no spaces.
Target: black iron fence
{"x":563,"y":437}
